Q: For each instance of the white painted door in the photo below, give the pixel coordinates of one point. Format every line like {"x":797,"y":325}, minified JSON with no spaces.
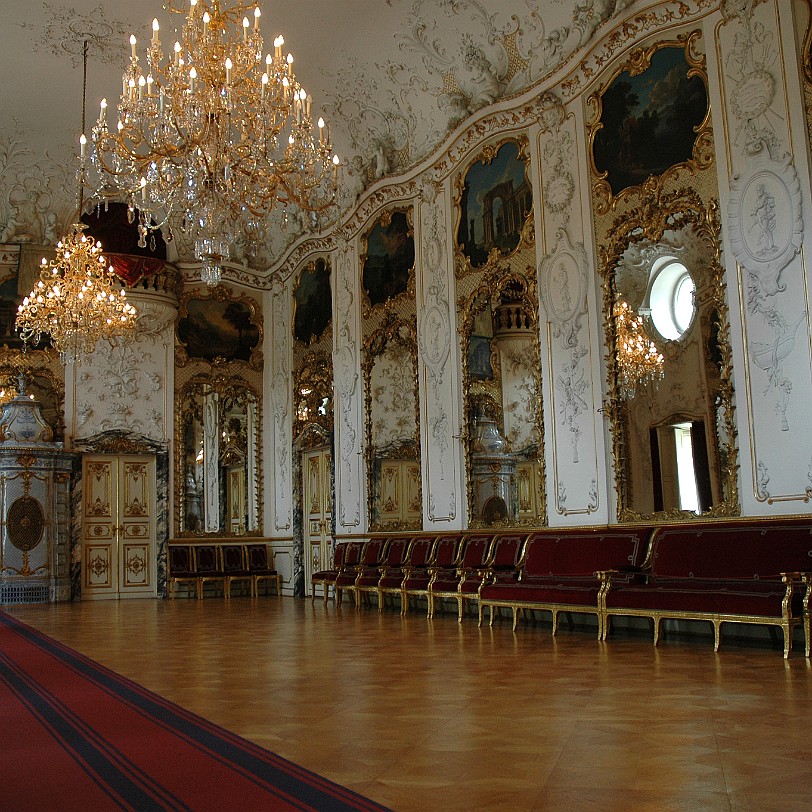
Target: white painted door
{"x":118,"y":526}
{"x":317,"y":511}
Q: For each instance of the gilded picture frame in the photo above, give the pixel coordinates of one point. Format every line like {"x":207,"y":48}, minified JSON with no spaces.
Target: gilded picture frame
{"x":388,"y":258}
{"x":493,"y":200}
{"x":652,"y":119}
{"x":217,"y":327}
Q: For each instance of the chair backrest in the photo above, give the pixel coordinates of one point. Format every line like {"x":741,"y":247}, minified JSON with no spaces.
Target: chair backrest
{"x":420,"y":552}
{"x":581,"y":554}
{"x":352,"y":554}
{"x":257,"y":557}
{"x":396,"y":551}
{"x":373,"y":552}
{"x":233,"y":558}
{"x":206,"y":559}
{"x":445,"y":551}
{"x":180,"y":559}
{"x":475,"y":550}
{"x":338,"y":556}
{"x":506,"y":551}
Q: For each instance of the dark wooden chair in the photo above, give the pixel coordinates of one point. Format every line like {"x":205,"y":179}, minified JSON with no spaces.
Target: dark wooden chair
{"x":260,"y":569}
{"x":181,"y":567}
{"x":208,"y":568}
{"x":234,"y":567}
{"x":389,"y":572}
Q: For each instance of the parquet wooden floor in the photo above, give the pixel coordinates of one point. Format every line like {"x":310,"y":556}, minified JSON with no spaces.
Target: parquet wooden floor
{"x":434,"y":715}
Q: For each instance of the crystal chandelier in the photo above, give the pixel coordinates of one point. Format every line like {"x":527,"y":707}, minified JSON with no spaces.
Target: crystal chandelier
{"x":78,"y":299}
{"x":638,"y":360}
{"x":211,"y":138}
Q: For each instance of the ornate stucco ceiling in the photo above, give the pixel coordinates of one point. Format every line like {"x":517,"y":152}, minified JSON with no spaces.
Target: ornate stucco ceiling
{"x":393,"y":76}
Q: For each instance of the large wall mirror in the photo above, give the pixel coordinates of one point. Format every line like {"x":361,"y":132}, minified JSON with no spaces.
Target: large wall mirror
{"x":218,"y":475}
{"x":502,"y":384}
{"x":393,"y":427}
{"x":670,"y":379}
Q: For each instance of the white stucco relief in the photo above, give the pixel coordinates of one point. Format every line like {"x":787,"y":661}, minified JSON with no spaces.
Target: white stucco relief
{"x":562,"y":285}
{"x":122,"y":384}
{"x":280,"y":398}
{"x":434,"y":339}
{"x":346,"y":382}
{"x":765,"y":216}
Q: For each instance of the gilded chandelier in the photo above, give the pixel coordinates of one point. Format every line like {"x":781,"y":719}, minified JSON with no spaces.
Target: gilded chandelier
{"x":638,"y":360}
{"x":77,"y":301}
{"x":215,"y":135}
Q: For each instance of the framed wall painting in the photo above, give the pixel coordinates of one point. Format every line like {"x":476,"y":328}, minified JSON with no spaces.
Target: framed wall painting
{"x":312,"y":302}
{"x":219,"y":327}
{"x":495,"y":199}
{"x":651,"y":116}
{"x":388,"y":264}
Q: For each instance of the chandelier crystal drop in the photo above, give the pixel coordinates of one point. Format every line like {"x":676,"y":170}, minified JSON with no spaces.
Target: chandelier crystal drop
{"x":214,"y":136}
{"x":638,"y":360}
{"x":77,"y":300}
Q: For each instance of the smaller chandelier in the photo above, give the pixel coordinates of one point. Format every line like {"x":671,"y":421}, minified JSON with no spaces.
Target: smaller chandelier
{"x":638,"y":360}
{"x":77,"y":301}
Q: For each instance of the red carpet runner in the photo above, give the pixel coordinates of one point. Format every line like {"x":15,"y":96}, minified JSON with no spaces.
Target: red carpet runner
{"x":76,"y":736}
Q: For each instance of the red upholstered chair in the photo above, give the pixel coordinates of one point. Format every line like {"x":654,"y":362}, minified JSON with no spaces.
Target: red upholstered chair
{"x":392,"y":569}
{"x":416,"y":575}
{"x":503,"y":565}
{"x":390,"y":565}
{"x":468,"y":575}
{"x":368,"y":567}
{"x":327,"y":578}
{"x":347,"y":574}
{"x":260,"y":568}
{"x":181,"y":567}
{"x":208,"y":567}
{"x":234,"y":567}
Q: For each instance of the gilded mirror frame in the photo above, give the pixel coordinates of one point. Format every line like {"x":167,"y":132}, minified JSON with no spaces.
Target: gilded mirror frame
{"x":403,"y":332}
{"x":486,"y":156}
{"x":489,"y":292}
{"x":312,"y":384}
{"x":659,"y":213}
{"x":638,"y":63}
{"x":188,"y":406}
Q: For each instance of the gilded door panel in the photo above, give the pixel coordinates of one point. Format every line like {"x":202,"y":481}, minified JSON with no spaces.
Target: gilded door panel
{"x":391,"y":491}
{"x":136,"y":566}
{"x":412,"y":498}
{"x":99,"y":489}
{"x":99,"y":567}
{"x":137,"y":483}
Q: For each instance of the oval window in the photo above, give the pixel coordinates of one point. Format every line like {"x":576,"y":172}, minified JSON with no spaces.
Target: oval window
{"x":671,"y":298}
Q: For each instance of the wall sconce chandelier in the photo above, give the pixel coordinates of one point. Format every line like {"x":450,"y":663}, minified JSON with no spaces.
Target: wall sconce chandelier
{"x":78,"y":300}
{"x":638,"y":360}
{"x":216,"y":135}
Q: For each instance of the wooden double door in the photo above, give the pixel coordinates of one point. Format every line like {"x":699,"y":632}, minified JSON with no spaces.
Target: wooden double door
{"x":118,"y":526}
